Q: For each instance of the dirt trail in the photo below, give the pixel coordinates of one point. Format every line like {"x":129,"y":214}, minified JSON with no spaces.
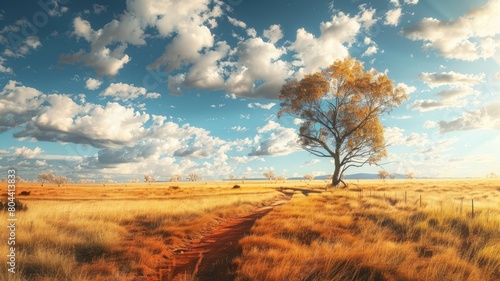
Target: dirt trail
{"x":210,"y":258}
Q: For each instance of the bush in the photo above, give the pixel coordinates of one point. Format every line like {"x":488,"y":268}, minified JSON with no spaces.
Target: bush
{"x":174,"y":187}
{"x":19,"y":206}
{"x":25,"y":193}
{"x":236,"y":186}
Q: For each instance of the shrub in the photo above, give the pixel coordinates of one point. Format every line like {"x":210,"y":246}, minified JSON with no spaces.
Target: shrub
{"x":19,"y":206}
{"x":236,"y":186}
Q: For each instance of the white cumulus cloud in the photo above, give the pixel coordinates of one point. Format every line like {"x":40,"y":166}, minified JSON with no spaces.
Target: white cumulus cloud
{"x":93,"y":84}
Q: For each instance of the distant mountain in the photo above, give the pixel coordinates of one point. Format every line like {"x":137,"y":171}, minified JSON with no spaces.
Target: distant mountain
{"x":358,"y":176}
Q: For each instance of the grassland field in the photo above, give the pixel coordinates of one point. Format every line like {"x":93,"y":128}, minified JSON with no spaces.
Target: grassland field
{"x":373,"y":230}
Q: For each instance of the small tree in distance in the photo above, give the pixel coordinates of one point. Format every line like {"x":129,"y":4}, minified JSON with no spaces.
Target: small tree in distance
{"x":410,"y":175}
{"x":193,"y":177}
{"x":175,"y":178}
{"x":383,"y":174}
{"x":60,"y":180}
{"x":281,"y":178}
{"x":45,"y":177}
{"x":341,"y":108}
{"x":492,"y":175}
{"x":309,"y":177}
{"x":270,"y":175}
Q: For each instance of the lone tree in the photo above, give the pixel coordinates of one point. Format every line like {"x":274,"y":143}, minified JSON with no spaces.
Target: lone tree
{"x":175,"y":178}
{"x":270,"y":175}
{"x":309,"y":177}
{"x":383,"y":174}
{"x":45,"y":177}
{"x":193,"y":177}
{"x":59,"y":180}
{"x":340,"y":107}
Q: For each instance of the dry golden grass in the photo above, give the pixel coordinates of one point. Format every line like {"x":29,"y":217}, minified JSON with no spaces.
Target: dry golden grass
{"x":368,"y":232}
{"x":117,"y":232}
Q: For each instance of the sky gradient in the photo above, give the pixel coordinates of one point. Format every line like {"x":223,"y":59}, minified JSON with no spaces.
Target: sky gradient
{"x":108,"y":91}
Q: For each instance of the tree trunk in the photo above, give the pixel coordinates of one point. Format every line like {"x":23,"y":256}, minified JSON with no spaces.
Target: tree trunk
{"x":336,"y":180}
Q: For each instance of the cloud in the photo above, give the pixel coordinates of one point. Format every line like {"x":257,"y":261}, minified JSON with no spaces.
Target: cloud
{"x":98,"y":9}
{"x":395,"y":136}
{"x":125,"y":92}
{"x":395,"y":2}
{"x":185,"y":48}
{"x":297,"y":121}
{"x":236,"y":22}
{"x":24,"y":152}
{"x":411,"y":2}
{"x":392,"y":17}
{"x":312,"y":54}
{"x":455,"y":97}
{"x":18,"y":104}
{"x":133,"y":154}
{"x":93,"y":84}
{"x":430,"y":124}
{"x":127,"y":29}
{"x":277,"y":140}
{"x":455,"y":93}
{"x":274,"y":33}
{"x":246,"y":159}
{"x":128,"y":141}
{"x":82,"y":28}
{"x":312,"y":162}
{"x":239,"y":129}
{"x":429,"y":105}
{"x":408,"y":89}
{"x":450,"y":78}
{"x":23,"y":48}
{"x":262,"y":106}
{"x":487,"y":117}
{"x":257,"y":61}
{"x":207,"y":71}
{"x":105,"y":62}
{"x":100,"y":126}
{"x":367,"y":17}
{"x":4,"y":69}
{"x":469,"y":37}
{"x":370,"y":51}
{"x":439,"y":146}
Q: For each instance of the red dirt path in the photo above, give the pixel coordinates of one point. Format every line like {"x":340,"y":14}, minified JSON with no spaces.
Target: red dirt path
{"x":210,"y":258}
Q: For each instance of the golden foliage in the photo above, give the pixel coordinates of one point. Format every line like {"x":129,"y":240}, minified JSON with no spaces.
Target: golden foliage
{"x":341,"y":106}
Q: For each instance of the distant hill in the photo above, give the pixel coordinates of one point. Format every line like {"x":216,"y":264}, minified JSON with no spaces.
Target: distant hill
{"x":358,"y":176}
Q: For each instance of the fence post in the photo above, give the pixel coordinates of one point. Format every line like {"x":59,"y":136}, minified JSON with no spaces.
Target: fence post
{"x":472,"y":208}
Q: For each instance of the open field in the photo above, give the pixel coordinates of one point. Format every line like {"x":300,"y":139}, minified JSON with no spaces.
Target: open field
{"x":118,"y":232}
{"x":370,"y":233}
{"x":374,"y":230}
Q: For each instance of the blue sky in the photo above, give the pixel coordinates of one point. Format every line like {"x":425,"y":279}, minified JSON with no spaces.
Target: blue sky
{"x":112,"y":91}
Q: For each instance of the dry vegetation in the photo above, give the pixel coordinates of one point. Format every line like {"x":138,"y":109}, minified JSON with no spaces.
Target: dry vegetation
{"x":374,"y":230}
{"x":370,"y":233}
{"x":117,"y":232}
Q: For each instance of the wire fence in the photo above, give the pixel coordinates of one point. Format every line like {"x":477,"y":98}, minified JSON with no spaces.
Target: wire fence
{"x":469,"y":207}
